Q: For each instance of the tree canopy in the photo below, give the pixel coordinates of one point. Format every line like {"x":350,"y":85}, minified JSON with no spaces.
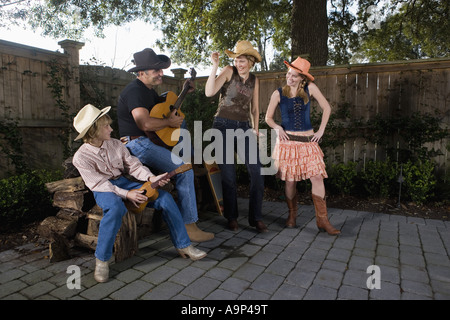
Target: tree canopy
{"x":354,"y":31}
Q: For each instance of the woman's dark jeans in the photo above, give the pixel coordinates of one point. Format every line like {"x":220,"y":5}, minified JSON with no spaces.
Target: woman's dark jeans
{"x":245,"y":145}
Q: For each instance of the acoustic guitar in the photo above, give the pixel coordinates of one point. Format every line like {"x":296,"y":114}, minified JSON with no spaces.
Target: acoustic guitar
{"x":170,"y":136}
{"x":150,"y":191}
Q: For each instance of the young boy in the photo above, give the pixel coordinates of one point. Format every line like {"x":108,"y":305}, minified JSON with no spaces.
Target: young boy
{"x":101,"y":162}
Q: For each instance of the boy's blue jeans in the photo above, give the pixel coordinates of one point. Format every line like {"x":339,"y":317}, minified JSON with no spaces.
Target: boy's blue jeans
{"x":114,"y":209}
{"x":160,"y":158}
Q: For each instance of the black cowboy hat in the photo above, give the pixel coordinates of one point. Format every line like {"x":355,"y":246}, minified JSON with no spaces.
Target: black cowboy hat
{"x":147,"y":59}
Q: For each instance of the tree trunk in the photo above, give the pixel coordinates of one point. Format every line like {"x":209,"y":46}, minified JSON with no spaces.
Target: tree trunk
{"x":309,"y":31}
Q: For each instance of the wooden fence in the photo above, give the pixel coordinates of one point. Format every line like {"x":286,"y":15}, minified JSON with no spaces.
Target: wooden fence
{"x":26,"y":98}
{"x":387,"y":89}
{"x":367,"y":90}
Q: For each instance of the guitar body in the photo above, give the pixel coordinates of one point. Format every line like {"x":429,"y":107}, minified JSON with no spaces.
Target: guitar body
{"x":150,"y":192}
{"x":150,"y":189}
{"x":168,"y":135}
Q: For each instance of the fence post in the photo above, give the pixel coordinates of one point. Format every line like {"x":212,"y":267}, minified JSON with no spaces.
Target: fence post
{"x":73,"y":99}
{"x":72,"y":50}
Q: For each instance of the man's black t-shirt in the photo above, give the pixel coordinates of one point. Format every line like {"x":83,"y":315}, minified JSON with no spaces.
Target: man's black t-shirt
{"x":135,"y":95}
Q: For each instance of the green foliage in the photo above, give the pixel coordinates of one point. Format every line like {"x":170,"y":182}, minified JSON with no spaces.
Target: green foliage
{"x":408,"y":30}
{"x":11,"y":144}
{"x":198,"y":107}
{"x":24,"y":198}
{"x":414,"y":132}
{"x":204,"y":26}
{"x":342,"y":177}
{"x":419,"y":180}
{"x":58,"y":76}
{"x":442,"y":189}
{"x":341,"y":37}
{"x":379,"y":178}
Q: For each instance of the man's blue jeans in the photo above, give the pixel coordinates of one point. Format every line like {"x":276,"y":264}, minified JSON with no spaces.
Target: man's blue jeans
{"x":114,"y":209}
{"x":244,"y":145}
{"x":160,"y":158}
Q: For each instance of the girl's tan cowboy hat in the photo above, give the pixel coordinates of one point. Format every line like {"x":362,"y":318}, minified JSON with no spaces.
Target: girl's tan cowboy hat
{"x":86,"y":118}
{"x":244,"y":47}
{"x":302,"y":66}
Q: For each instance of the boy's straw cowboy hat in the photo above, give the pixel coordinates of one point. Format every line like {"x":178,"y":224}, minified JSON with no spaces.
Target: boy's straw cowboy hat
{"x":86,"y":117}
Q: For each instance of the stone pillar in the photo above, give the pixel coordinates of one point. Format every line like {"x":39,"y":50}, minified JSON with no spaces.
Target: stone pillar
{"x":72,"y":50}
{"x":72,"y":93}
{"x":179,"y":73}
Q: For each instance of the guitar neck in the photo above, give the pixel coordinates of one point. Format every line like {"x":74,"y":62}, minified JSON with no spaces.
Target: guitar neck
{"x":180,"y":169}
{"x":180,"y":99}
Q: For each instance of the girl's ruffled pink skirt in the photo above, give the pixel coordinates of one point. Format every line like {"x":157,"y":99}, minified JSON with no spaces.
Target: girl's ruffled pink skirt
{"x":298,"y":161}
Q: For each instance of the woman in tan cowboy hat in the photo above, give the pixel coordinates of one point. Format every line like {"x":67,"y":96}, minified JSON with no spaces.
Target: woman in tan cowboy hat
{"x":102,"y":161}
{"x":239,"y":99}
{"x":297,"y":153}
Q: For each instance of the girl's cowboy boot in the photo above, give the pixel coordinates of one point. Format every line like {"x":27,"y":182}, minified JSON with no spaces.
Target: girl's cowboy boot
{"x":292,"y":205}
{"x":323,"y":224}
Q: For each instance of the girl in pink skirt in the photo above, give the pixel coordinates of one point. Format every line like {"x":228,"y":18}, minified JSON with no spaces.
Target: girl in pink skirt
{"x":297,"y":153}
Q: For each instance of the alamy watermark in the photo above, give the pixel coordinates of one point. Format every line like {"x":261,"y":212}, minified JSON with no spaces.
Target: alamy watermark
{"x":374,"y":281}
{"x":74,"y":280}
{"x":373,"y":22}
{"x":220,"y":152}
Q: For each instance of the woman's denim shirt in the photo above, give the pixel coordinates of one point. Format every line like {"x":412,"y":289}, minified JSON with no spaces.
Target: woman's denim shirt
{"x":295,"y":113}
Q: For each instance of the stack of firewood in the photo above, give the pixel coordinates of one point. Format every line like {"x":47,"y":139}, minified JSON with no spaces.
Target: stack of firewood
{"x":77,"y":222}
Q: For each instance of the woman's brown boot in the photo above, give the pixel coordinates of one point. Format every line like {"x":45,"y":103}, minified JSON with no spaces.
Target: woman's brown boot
{"x":323,"y":224}
{"x":292,"y":205}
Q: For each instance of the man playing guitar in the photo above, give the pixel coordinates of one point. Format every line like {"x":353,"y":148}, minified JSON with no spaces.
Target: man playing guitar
{"x":136,"y":126}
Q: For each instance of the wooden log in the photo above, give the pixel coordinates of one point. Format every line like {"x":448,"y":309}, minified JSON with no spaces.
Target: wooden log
{"x":70,"y":214}
{"x":70,"y":170}
{"x":69,"y":200}
{"x":126,"y":244}
{"x":93,"y":227}
{"x":86,"y":241}
{"x":52,"y":227}
{"x":66,"y":185}
{"x":58,"y":231}
{"x":96,"y":210}
{"x":58,"y":248}
{"x":94,"y":217}
{"x":144,"y":222}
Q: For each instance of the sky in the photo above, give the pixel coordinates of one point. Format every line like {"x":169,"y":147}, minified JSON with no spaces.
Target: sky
{"x":115,"y":50}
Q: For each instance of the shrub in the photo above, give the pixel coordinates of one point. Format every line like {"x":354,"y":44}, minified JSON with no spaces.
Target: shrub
{"x":342,"y":177}
{"x":24,"y":198}
{"x":379,"y":178}
{"x":419,"y":180}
